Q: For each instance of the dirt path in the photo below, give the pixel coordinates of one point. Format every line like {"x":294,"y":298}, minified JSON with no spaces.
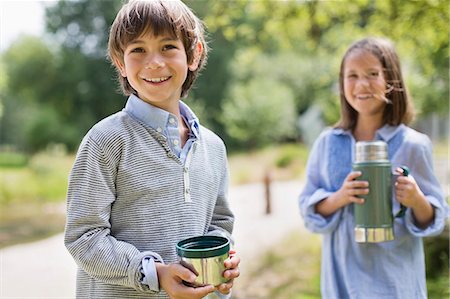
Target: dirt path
{"x":44,"y":269}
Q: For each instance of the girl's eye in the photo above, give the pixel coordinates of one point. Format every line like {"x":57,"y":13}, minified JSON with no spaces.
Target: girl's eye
{"x":352,"y":76}
{"x":373,"y":74}
{"x":137,"y":50}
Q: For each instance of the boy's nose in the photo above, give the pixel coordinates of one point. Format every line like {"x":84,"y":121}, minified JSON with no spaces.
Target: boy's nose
{"x":153,"y":66}
{"x":154,"y":62}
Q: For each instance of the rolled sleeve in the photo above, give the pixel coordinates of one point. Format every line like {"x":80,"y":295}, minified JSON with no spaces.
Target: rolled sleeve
{"x":421,"y":163}
{"x":436,"y":227}
{"x":314,"y":192}
{"x":314,"y":221}
{"x":148,"y":270}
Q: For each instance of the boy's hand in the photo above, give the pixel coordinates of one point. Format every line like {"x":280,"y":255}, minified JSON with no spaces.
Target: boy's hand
{"x":171,"y":278}
{"x":231,"y":264}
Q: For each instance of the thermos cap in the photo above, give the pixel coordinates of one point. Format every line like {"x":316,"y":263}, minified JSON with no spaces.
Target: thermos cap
{"x":371,"y":151}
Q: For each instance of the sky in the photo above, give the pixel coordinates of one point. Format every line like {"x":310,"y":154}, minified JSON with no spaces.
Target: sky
{"x":20,"y":16}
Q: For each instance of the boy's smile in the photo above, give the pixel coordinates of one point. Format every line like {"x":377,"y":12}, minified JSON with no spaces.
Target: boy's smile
{"x":156,"y":80}
{"x":156,"y":67}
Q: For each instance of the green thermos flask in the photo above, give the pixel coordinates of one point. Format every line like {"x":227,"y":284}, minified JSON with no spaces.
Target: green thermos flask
{"x":373,"y":218}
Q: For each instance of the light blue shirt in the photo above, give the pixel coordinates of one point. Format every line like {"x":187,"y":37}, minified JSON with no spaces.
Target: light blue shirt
{"x":166,"y":123}
{"x":394,"y":269}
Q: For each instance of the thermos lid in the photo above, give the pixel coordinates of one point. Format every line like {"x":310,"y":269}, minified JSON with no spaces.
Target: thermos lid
{"x":203,"y":247}
{"x":371,"y":151}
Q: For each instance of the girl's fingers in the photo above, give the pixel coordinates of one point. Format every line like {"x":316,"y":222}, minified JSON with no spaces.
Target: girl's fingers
{"x":353,"y":175}
{"x":357,"y":200}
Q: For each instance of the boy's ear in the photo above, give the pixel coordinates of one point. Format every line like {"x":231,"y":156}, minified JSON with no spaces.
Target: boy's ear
{"x":120,"y":65}
{"x":197,"y":54}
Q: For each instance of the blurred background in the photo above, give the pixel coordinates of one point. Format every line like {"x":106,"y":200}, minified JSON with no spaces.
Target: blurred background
{"x":270,"y":87}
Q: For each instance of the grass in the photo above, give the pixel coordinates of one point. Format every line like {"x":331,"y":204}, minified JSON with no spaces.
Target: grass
{"x":43,"y":179}
{"x":32,"y":196}
{"x":289,"y":270}
{"x":281,"y":162}
{"x":21,"y":223}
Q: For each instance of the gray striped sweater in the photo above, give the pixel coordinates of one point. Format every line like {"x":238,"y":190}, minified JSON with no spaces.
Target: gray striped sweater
{"x":129,"y":196}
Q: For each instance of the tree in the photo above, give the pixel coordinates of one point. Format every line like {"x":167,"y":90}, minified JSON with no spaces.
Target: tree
{"x":85,"y":88}
{"x":260,"y":112}
{"x":297,"y":44}
{"x":30,"y":69}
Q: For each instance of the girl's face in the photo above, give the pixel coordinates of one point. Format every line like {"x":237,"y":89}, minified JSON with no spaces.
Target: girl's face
{"x":364,"y":84}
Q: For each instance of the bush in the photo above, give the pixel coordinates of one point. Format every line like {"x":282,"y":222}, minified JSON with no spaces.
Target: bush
{"x":260,"y":113}
{"x":437,"y":264}
{"x":10,"y":159}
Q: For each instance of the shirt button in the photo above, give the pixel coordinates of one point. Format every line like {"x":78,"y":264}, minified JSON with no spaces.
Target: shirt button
{"x":172,"y":120}
{"x":188,"y":191}
{"x":175,"y":142}
{"x":159,"y":130}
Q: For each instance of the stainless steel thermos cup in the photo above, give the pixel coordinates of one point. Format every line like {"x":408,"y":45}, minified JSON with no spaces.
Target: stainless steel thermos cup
{"x":205,"y":256}
{"x":374,"y":218}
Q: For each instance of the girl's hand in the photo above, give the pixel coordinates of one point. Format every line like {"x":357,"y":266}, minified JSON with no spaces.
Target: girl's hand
{"x":347,"y":194}
{"x":351,"y":188}
{"x":231,"y":264}
{"x":407,"y":192}
{"x":171,"y":279}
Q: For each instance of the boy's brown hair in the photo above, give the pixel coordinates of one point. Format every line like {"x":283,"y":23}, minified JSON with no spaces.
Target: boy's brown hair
{"x":399,"y":108}
{"x":157,"y":17}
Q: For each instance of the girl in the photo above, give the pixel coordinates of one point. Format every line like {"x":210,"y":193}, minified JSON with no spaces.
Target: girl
{"x":374,"y":106}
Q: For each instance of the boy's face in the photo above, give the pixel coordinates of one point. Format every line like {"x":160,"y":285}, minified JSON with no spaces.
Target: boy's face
{"x":156,"y":67}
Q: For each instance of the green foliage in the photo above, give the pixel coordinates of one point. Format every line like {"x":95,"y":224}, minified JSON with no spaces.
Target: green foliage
{"x":295,"y":45}
{"x":254,"y":115}
{"x":11,"y":159}
{"x":46,"y":126}
{"x":31,"y":68}
{"x":281,"y":162}
{"x":437,"y":263}
{"x":287,"y":156}
{"x":43,"y":180}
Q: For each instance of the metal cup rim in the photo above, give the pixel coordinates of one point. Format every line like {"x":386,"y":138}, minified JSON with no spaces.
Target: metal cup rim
{"x":210,"y":246}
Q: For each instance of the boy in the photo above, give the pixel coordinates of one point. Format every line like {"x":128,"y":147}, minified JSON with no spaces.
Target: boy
{"x":149,"y":175}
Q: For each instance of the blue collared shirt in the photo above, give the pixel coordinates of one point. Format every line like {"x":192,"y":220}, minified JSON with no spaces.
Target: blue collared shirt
{"x":166,"y":123}
{"x":394,"y":269}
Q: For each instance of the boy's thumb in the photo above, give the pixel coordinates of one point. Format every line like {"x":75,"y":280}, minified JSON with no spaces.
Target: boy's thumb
{"x":186,"y":274}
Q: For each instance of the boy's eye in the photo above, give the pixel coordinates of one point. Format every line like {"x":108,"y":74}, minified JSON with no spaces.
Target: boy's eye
{"x":373,"y":74}
{"x":352,"y":76}
{"x":169,"y":47}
